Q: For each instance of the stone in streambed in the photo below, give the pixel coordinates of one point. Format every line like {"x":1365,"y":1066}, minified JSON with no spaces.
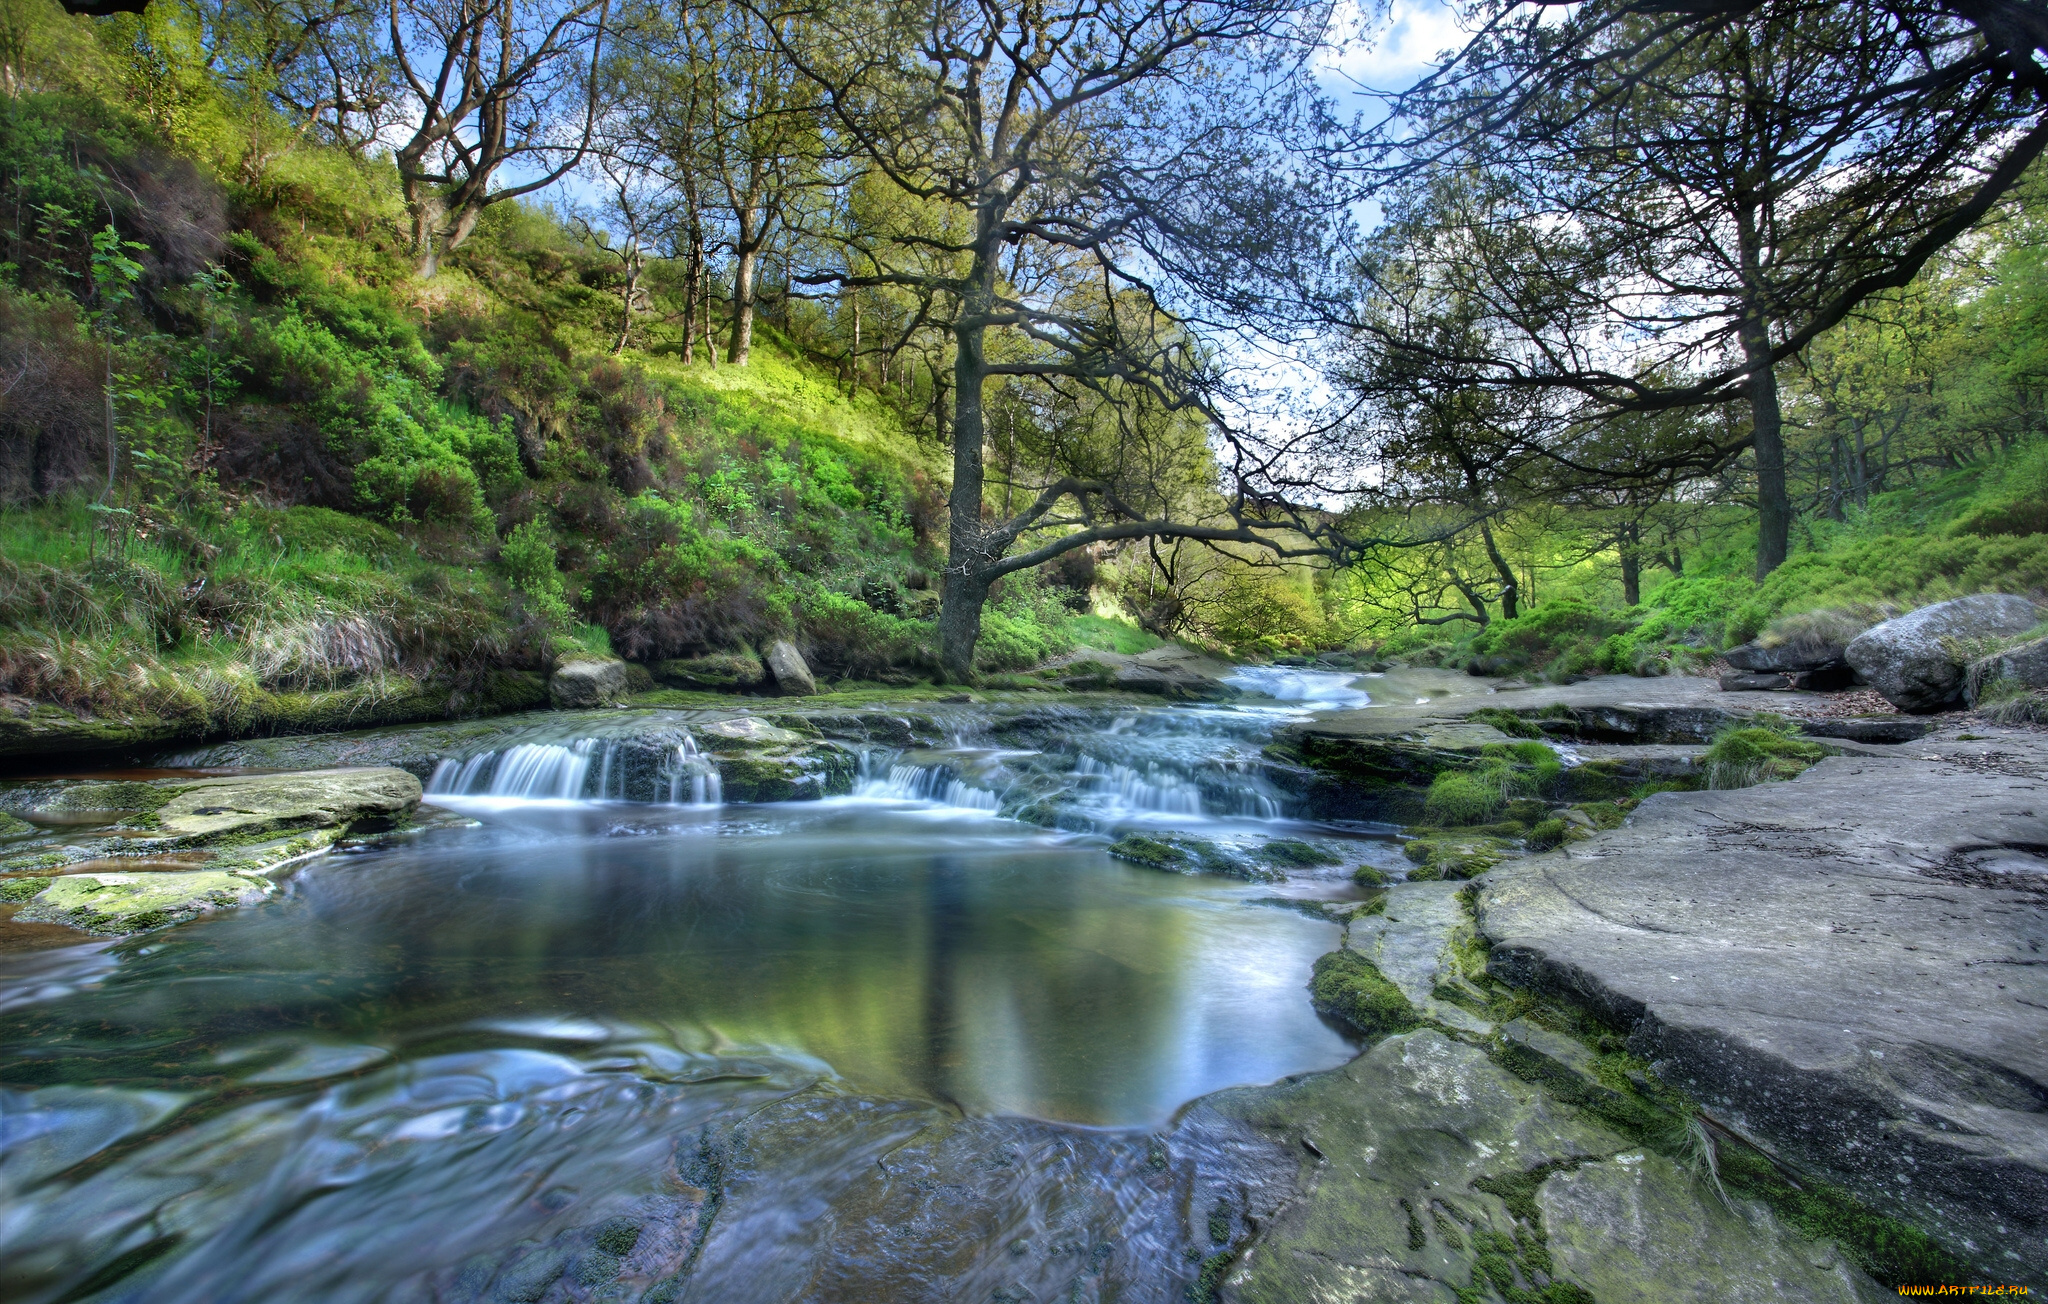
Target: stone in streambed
{"x":746,"y":731}
{"x":114,"y":904}
{"x":1425,"y":1176}
{"x":579,"y":685}
{"x":210,"y":810}
{"x":1913,"y":660}
{"x":1844,"y":965}
{"x":786,"y":666}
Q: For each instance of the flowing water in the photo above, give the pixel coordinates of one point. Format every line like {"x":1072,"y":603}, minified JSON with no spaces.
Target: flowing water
{"x":608,"y":1038}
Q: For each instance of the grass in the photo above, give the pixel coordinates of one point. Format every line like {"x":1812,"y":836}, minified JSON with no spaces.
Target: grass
{"x":1107,"y":635}
{"x":1766,"y":752}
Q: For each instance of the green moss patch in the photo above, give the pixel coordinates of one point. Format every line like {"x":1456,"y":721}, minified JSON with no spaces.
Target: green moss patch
{"x":1350,"y":987}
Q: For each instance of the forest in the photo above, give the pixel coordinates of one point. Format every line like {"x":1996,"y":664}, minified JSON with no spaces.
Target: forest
{"x":352,"y":358}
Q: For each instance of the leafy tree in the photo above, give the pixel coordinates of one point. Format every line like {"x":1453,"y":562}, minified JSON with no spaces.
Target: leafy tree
{"x":1660,"y":212}
{"x":1083,"y":184}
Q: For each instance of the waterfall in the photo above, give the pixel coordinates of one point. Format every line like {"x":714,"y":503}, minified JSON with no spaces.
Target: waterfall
{"x":1154,"y":790}
{"x":936,"y":784}
{"x":535,"y":771}
{"x":690,"y":769}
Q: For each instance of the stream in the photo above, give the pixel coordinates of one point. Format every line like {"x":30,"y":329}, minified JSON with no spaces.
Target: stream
{"x":595,"y":1034}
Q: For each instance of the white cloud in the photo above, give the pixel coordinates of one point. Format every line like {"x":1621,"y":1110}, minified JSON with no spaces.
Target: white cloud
{"x":1391,"y":48}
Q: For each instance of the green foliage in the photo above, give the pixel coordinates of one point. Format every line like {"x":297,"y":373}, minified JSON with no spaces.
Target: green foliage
{"x":1767,"y":752}
{"x":1109,"y":635}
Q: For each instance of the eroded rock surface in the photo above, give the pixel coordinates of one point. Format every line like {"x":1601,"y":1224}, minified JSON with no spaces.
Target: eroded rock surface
{"x":1427,"y":1174}
{"x":1853,"y":966}
{"x":165,"y":851}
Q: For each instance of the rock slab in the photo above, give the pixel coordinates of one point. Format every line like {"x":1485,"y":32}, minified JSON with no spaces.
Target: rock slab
{"x":1849,"y":966}
{"x":1913,"y":660}
{"x":787,"y":668}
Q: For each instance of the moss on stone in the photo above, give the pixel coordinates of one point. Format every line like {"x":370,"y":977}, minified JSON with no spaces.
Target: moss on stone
{"x":1508,"y":722}
{"x":11,"y":827}
{"x":1369,"y":876}
{"x":21,"y":889}
{"x":1350,"y":987}
{"x":1548,"y":834}
{"x":1295,"y":854}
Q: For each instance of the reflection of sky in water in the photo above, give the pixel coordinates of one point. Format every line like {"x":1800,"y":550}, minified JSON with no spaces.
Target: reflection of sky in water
{"x":996,"y":965}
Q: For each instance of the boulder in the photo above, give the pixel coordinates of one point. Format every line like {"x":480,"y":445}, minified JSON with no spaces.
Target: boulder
{"x":746,"y":731}
{"x":720,"y":672}
{"x":786,"y":666}
{"x":114,"y":904}
{"x":1756,"y":681}
{"x":578,"y":685}
{"x":1783,"y":658}
{"x":2025,"y":666}
{"x":248,"y":805}
{"x":1914,"y":660}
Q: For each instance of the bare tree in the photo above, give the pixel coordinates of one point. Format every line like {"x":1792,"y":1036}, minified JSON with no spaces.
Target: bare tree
{"x":491,"y":83}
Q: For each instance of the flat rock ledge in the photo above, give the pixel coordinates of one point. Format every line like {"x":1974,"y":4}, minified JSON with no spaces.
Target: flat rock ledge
{"x":1850,"y":968}
{"x":173,"y":849}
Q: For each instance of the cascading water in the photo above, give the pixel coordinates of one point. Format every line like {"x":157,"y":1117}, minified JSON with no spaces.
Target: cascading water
{"x":1157,"y":791}
{"x":532,"y":771}
{"x":936,"y":784}
{"x":693,"y":771}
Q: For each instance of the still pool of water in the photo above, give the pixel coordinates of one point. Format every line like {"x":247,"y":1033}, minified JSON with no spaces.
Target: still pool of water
{"x":463,"y":1049}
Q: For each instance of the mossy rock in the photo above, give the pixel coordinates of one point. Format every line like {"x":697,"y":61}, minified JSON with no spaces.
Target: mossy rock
{"x":1742,"y":757}
{"x":1455,"y":856}
{"x":1369,"y":876}
{"x":1183,"y":855}
{"x":11,"y":827}
{"x":21,"y":889}
{"x":93,"y":796}
{"x":1292,"y":853}
{"x":112,"y":905}
{"x":1549,"y":834}
{"x":806,"y":774}
{"x":719,"y":672}
{"x":1350,"y":987}
{"x":248,"y":807}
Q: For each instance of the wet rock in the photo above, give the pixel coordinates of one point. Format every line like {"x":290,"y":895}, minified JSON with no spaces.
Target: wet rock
{"x":746,"y":731}
{"x":1416,"y":940}
{"x":2025,"y":666}
{"x":1846,"y":965}
{"x":210,"y":810}
{"x":786,"y":667}
{"x":1455,"y":856}
{"x":1917,"y":660}
{"x":1637,"y":1229}
{"x":801,"y":774}
{"x":1177,"y":854}
{"x":579,"y":685}
{"x":720,"y":672}
{"x":114,"y":904}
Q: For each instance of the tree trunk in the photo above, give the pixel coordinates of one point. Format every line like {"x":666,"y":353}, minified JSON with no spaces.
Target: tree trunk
{"x":968,"y":556}
{"x":690,"y":302}
{"x":742,"y":307}
{"x":1766,"y":421}
{"x":1631,"y":564}
{"x":1510,"y":591}
{"x":429,"y":215}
